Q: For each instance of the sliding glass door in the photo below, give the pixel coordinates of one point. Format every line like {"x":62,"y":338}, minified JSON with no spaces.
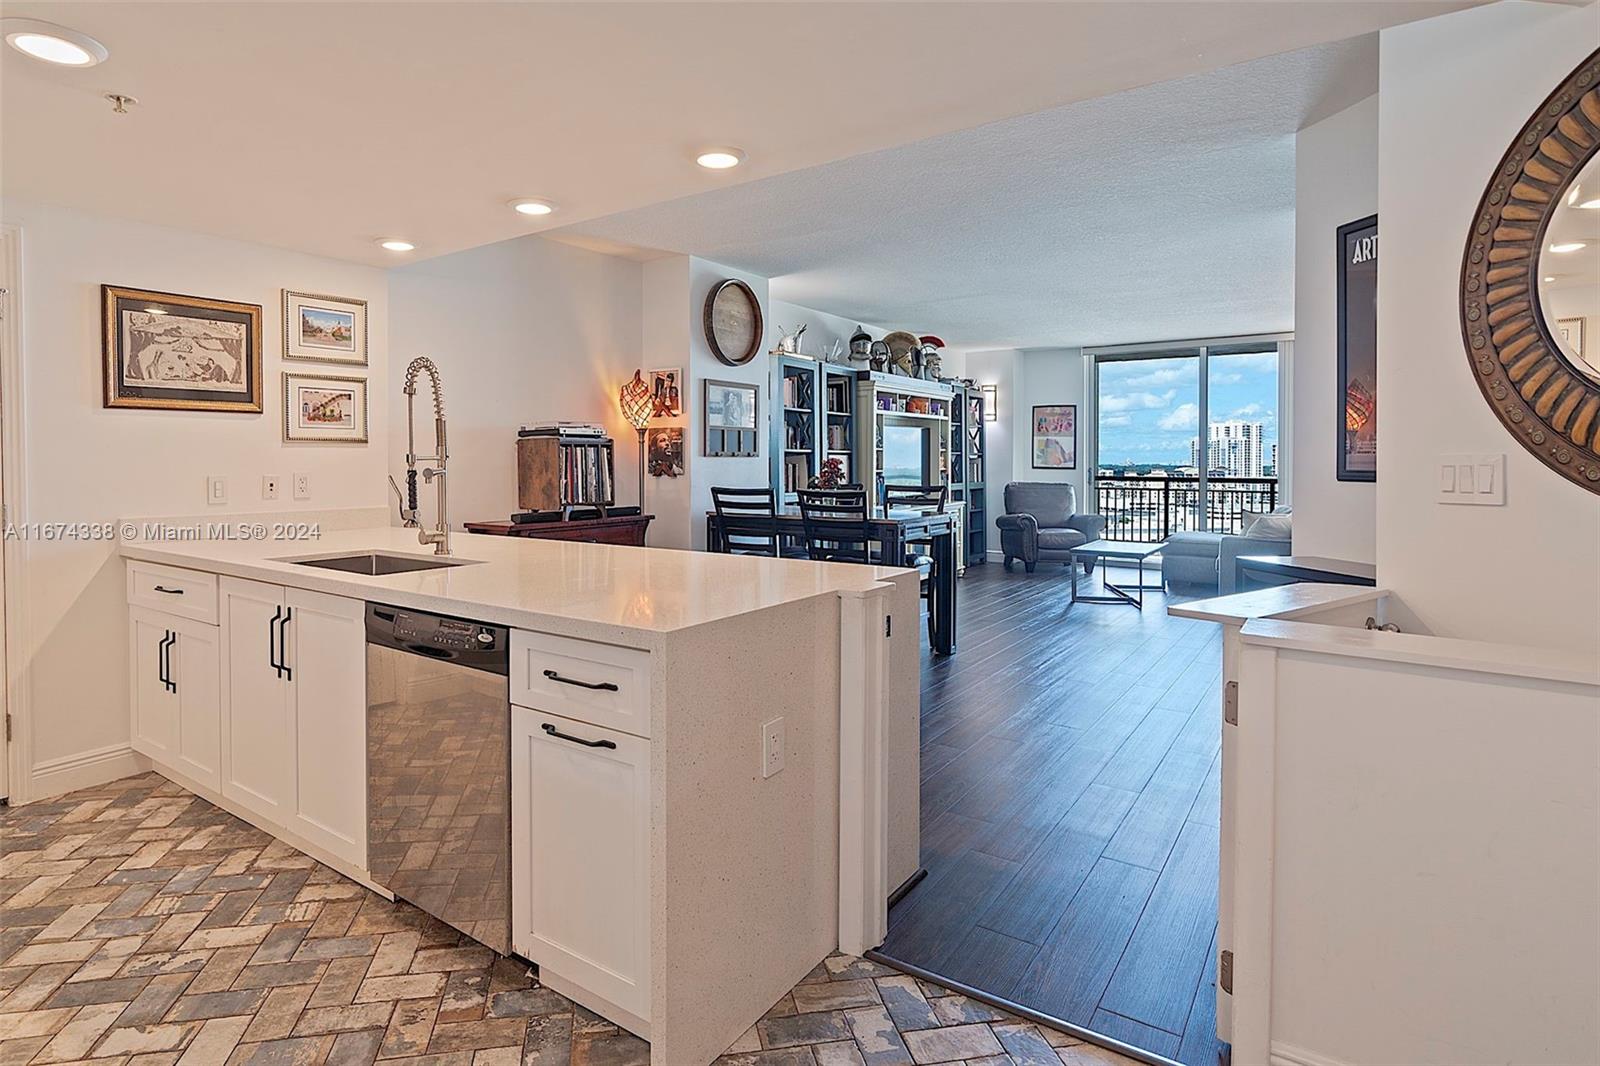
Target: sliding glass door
{"x":1186,"y":436}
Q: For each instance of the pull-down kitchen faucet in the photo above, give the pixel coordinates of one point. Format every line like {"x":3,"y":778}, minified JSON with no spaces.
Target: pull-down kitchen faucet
{"x":439,"y":537}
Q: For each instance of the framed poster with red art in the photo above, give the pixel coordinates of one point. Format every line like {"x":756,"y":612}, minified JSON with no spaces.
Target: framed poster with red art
{"x":1357,"y":392}
{"x":1055,"y":437}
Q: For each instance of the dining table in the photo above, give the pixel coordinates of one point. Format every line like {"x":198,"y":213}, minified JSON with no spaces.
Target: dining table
{"x":892,"y":530}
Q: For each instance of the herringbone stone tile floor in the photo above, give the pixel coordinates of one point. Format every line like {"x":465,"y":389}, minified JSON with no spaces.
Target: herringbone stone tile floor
{"x":141,"y":925}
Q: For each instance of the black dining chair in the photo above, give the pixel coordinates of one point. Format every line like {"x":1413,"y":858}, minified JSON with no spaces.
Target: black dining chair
{"x":835,"y":524}
{"x":926,"y":499}
{"x":748,"y":520}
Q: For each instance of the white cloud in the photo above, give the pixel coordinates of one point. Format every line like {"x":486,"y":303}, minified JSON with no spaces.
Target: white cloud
{"x":1168,"y":375}
{"x":1183,"y":416}
{"x":1110,"y":421}
{"x":1133,"y":401}
{"x":1247,"y":411}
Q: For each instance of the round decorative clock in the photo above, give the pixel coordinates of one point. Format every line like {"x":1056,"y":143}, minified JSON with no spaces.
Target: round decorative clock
{"x":733,"y":322}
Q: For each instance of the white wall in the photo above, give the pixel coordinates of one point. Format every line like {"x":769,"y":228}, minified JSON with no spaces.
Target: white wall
{"x":521,"y":331}
{"x":86,"y":463}
{"x":668,"y":327}
{"x":1025,"y":378}
{"x":1336,"y":181}
{"x":1528,"y":572}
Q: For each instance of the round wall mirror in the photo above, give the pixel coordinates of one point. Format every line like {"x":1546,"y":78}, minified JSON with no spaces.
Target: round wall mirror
{"x":1569,"y":272}
{"x":1530,"y":282}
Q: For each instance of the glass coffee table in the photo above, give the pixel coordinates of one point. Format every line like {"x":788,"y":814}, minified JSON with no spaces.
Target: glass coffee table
{"x":1102,"y":550}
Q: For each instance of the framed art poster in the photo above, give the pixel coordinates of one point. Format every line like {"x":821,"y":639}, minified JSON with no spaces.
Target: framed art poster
{"x":1570,"y":330}
{"x":180,"y":353}
{"x":324,"y":329}
{"x":664,"y":447}
{"x":730,"y":418}
{"x":1055,"y":437}
{"x":666,"y":393}
{"x":1357,"y":385}
{"x":325,"y":409}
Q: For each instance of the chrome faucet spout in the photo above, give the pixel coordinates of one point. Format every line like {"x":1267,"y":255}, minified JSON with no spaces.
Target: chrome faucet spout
{"x":439,"y":536}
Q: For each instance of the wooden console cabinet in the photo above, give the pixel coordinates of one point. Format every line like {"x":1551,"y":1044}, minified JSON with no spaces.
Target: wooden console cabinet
{"x":622,"y":529}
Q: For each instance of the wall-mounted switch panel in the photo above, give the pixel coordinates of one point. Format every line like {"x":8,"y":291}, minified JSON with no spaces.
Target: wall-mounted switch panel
{"x":269,"y":487}
{"x":216,"y":489}
{"x":1475,"y":478}
{"x":302,"y":486}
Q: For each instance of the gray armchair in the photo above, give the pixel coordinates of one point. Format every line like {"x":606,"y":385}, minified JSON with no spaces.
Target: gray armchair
{"x":1041,"y":523}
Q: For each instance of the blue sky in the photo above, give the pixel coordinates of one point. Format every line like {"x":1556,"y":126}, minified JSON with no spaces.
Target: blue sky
{"x":1149,"y":408}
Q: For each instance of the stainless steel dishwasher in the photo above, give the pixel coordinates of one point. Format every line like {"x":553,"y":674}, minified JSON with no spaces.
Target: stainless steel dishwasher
{"x":439,"y":767}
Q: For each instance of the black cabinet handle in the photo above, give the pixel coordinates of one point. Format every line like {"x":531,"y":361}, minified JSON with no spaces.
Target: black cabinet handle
{"x":272,"y":642}
{"x":164,"y":661}
{"x":169,"y":592}
{"x":172,"y":684}
{"x":553,"y":731}
{"x":283,"y":644}
{"x":603,"y":686}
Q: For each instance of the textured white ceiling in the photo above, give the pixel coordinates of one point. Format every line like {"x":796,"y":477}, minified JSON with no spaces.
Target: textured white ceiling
{"x":321,"y":126}
{"x":1156,"y":213}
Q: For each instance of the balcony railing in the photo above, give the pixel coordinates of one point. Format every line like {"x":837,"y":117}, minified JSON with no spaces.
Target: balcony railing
{"x":1149,"y":509}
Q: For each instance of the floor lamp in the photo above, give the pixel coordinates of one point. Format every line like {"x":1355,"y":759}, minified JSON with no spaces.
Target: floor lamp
{"x":637,"y":403}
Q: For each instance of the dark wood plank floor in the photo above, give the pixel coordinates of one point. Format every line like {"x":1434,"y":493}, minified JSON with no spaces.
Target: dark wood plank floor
{"x":1070,"y":762}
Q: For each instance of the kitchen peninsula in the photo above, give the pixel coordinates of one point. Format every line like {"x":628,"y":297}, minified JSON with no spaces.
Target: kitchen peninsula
{"x":673,"y":867}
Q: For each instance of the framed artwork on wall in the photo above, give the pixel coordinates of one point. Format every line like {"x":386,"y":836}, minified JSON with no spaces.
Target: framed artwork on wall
{"x":731,"y":416}
{"x":1055,"y":437}
{"x":1356,"y":393}
{"x":324,"y":329}
{"x":666,"y":393}
{"x":663,"y":448}
{"x":324,"y":409}
{"x":1571,"y":332}
{"x":170,"y":352}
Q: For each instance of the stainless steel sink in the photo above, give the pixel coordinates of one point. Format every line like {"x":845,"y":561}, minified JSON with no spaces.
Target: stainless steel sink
{"x":376,"y":564}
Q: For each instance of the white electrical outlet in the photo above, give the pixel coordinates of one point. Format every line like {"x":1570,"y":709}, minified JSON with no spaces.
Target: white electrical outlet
{"x":772,"y":747}
{"x":216,"y":489}
{"x":269,"y":487}
{"x":302,"y":486}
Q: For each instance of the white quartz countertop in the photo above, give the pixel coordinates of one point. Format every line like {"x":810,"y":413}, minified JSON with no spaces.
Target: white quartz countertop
{"x":597,"y":591}
{"x":1275,"y":601}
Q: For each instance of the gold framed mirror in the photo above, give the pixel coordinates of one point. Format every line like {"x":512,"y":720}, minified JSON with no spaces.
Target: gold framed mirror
{"x":1530,"y":320}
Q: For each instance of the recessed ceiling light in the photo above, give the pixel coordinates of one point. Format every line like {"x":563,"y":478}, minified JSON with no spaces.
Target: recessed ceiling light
{"x":54,"y":44}
{"x":395,"y":244}
{"x":1551,"y":278}
{"x":1590,"y":205}
{"x":1569,"y":246}
{"x":533,"y":207}
{"x":720,"y":158}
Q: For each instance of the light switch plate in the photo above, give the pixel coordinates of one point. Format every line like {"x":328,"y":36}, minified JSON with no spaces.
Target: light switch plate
{"x":1472,"y":478}
{"x":302,"y":486}
{"x":216,"y":489}
{"x":269,"y":486}
{"x":772,"y":747}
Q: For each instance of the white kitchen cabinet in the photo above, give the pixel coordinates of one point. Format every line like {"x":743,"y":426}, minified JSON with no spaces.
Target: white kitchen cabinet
{"x":326,"y":655}
{"x":258,"y":746}
{"x":580,"y":856}
{"x":173,"y":672}
{"x":294,"y":712}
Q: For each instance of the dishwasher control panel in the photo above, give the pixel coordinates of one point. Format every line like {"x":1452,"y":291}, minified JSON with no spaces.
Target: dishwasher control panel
{"x":470,"y":643}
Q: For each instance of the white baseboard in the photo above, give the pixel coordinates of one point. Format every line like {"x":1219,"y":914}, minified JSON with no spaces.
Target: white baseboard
{"x":86,"y":769}
{"x":1289,"y":1055}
